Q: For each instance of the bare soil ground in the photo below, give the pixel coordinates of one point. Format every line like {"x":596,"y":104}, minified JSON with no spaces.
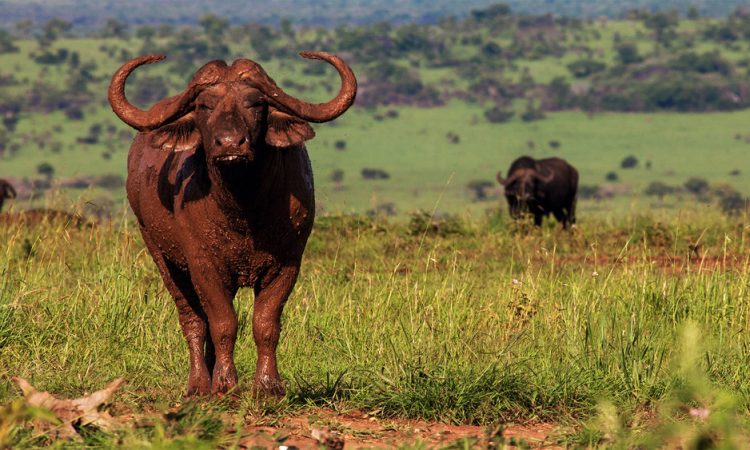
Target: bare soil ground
{"x":356,"y":430}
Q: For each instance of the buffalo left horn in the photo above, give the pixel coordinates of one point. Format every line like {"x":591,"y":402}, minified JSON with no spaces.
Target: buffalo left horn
{"x":545,"y":178}
{"x":163,"y":112}
{"x":320,"y":112}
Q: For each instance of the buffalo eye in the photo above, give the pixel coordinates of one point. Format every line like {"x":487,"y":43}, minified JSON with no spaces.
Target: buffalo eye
{"x":204,"y":107}
{"x":250,"y":104}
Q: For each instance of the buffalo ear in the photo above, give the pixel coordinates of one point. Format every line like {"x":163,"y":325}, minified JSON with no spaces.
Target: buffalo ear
{"x":285,"y":130}
{"x":179,"y":136}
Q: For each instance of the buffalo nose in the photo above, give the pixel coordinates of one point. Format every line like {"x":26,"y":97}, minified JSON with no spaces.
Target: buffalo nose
{"x":230,"y":140}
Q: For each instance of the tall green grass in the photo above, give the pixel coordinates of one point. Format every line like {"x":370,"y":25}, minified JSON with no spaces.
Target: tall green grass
{"x":487,"y":322}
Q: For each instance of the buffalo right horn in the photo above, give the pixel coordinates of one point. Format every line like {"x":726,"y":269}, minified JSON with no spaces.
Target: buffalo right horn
{"x":163,"y":112}
{"x":321,"y":112}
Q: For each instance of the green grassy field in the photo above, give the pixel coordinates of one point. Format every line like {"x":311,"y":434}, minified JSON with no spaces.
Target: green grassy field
{"x":484,"y":325}
{"x":429,"y":172}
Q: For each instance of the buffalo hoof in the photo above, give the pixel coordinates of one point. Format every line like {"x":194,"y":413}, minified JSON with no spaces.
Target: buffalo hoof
{"x":266,"y":386}
{"x":198,"y":387}
{"x":224,"y":379}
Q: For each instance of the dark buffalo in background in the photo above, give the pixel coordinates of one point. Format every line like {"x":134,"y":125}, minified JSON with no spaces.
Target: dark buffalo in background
{"x":6,"y":191}
{"x":541,"y":187}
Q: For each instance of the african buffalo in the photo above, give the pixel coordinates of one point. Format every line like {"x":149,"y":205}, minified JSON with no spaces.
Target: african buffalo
{"x":221,"y":184}
{"x":6,"y":191}
{"x":541,"y":187}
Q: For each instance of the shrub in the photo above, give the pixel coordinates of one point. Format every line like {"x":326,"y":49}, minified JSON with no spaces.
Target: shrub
{"x":109,"y":181}
{"x":612,"y":176}
{"x":45,"y":169}
{"x":422,"y":222}
{"x":497,"y":114}
{"x":375,"y":174}
{"x":627,"y":53}
{"x":629,"y":162}
{"x":340,"y":145}
{"x":532,"y":113}
{"x":659,"y":189}
{"x":696,"y":186}
{"x":585,"y":67}
{"x":588,"y":191}
{"x":479,"y":189}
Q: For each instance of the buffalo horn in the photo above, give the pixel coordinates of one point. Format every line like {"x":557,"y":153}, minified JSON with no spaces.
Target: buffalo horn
{"x":163,"y":112}
{"x":320,"y":112}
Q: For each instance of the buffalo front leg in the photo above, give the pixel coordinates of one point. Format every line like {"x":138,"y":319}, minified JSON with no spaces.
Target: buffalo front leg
{"x":194,"y":327}
{"x":269,"y":303}
{"x":216,"y":293}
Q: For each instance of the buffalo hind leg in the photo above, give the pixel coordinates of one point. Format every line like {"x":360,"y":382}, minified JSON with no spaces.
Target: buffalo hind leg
{"x":269,"y":303}
{"x":193,"y":323}
{"x":562,"y":216}
{"x":538,"y":219}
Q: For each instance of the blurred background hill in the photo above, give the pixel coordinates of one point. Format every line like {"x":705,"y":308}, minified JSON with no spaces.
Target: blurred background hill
{"x":86,"y":14}
{"x":652,"y":105}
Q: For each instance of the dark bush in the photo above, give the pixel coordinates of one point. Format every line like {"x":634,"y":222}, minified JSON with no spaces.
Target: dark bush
{"x":375,"y":174}
{"x":424,"y":223}
{"x":588,"y":191}
{"x":46,"y":169}
{"x":627,"y":53}
{"x":109,"y":181}
{"x":659,"y":189}
{"x":629,"y":162}
{"x":497,"y":114}
{"x":532,"y":113}
{"x":479,"y":189}
{"x":612,"y":176}
{"x":696,"y":186}
{"x":387,"y":209}
{"x":340,"y":145}
{"x":585,"y":67}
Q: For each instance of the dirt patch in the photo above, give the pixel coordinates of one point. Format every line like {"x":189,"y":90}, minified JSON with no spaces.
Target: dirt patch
{"x":358,"y":430}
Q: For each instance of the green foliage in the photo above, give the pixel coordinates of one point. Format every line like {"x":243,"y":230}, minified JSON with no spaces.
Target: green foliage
{"x":694,"y":413}
{"x":585,"y":67}
{"x":627,"y":53}
{"x":709,"y":62}
{"x":498,"y":114}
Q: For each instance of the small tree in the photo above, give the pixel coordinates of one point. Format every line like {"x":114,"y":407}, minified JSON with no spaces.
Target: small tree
{"x":585,"y":67}
{"x":627,"y":53}
{"x":629,"y":162}
{"x":696,"y":186}
{"x":337,"y":177}
{"x":45,"y":169}
{"x":532,"y":112}
{"x":479,"y":189}
{"x":659,"y":189}
{"x":497,"y":114}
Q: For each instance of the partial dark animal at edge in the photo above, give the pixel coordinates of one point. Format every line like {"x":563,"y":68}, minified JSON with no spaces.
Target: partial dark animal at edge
{"x":36,"y":215}
{"x":6,"y":192}
{"x":540,"y":188}
{"x":221,"y":184}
